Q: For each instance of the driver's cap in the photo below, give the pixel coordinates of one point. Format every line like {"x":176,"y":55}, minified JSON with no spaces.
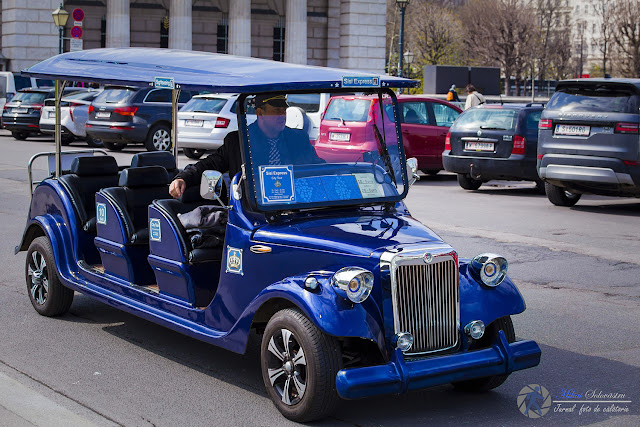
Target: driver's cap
{"x":275,"y":100}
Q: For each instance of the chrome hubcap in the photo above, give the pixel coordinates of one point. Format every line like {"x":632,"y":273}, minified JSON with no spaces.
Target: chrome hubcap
{"x":161,"y":139}
{"x":38,"y":278}
{"x":287,"y":366}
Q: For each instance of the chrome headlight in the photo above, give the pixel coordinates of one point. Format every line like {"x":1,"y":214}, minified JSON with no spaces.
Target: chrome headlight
{"x":353,"y":282}
{"x":490,"y":269}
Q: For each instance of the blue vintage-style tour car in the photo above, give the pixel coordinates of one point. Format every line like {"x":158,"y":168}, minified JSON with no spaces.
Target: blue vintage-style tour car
{"x":353,"y":297}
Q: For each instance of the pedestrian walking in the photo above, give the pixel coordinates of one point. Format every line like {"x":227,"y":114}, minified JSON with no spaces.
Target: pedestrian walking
{"x":473,"y":97}
{"x":452,"y":95}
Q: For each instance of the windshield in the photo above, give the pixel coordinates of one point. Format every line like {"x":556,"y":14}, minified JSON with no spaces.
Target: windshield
{"x":486,"y":118}
{"x":29,"y":97}
{"x":204,"y":105}
{"x":601,"y":98}
{"x":114,"y":95}
{"x":287,"y":171}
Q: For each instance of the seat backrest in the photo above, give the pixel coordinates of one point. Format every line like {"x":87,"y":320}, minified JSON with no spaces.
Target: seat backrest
{"x":143,"y":185}
{"x":411,"y":117}
{"x":89,"y":175}
{"x":156,"y":158}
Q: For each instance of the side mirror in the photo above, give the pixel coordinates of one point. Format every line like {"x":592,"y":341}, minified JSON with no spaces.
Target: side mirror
{"x":412,"y":169}
{"x":211,"y":186}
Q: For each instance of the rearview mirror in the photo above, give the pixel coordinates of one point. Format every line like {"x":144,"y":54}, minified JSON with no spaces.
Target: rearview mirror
{"x":412,"y":169}
{"x":211,"y":186}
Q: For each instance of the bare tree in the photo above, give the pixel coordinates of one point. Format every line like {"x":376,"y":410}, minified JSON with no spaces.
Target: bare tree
{"x":500,"y":32}
{"x":627,"y":35}
{"x":550,"y":26}
{"x":604,"y":10}
{"x":435,"y":33}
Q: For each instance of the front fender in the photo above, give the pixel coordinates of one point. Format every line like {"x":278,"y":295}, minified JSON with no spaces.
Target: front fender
{"x":331,"y":313}
{"x":479,"y":302}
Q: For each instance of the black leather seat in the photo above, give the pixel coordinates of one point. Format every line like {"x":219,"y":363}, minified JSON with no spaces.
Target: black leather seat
{"x":156,"y":158}
{"x":89,"y":175}
{"x":139,"y":187}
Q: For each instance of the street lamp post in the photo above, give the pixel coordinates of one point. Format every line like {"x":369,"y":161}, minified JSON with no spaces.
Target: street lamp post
{"x":60,"y":17}
{"x":402,"y":4}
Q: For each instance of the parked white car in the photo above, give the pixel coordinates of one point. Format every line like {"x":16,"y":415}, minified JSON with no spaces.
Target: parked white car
{"x":12,"y":82}
{"x":73,"y":116}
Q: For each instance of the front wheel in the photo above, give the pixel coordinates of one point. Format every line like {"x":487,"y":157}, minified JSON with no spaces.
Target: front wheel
{"x":299,"y":367}
{"x":158,"y":139}
{"x":559,"y":196}
{"x":193,"y":153}
{"x":47,"y":294}
{"x":490,"y":335}
{"x":465,"y":181}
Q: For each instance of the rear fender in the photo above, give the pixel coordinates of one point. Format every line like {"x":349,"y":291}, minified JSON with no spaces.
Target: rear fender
{"x":331,"y":313}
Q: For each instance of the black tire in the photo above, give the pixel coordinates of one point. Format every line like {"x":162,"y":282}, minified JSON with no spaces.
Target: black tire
{"x":93,"y":142}
{"x":158,"y":139}
{"x":490,"y":335}
{"x":193,"y":153}
{"x":467,"y":182}
{"x":47,"y":294}
{"x":66,"y":139}
{"x":539,"y":186}
{"x":559,"y":196}
{"x":114,"y":146}
{"x":20,"y":136}
{"x":314,"y":370}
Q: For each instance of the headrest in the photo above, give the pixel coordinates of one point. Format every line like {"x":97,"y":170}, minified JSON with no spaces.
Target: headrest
{"x":154,"y":158}
{"x":94,"y":166}
{"x":147,"y":176}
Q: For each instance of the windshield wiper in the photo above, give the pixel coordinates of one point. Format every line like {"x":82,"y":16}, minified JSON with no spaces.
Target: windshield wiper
{"x":492,"y":128}
{"x":384,"y":153}
{"x":338,"y":118}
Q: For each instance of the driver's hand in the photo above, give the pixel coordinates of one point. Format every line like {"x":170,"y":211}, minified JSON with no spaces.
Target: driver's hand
{"x":177,"y":187}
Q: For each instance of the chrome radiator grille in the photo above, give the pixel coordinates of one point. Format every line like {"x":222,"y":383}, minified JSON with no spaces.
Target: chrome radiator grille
{"x":425,"y":303}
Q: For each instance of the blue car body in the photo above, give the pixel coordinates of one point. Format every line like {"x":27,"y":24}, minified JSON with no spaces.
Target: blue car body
{"x":220,"y":299}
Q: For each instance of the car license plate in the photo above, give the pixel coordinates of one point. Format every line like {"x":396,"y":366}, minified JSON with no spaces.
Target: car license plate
{"x":479,"y":146}
{"x":573,"y":130}
{"x":195,"y":123}
{"x":20,"y":110}
{"x":52,"y":115}
{"x":103,"y":115}
{"x":339,"y":136}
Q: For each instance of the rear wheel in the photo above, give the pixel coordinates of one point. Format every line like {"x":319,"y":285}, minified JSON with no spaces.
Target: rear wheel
{"x":93,"y":142}
{"x":20,"y":136}
{"x":159,"y":138}
{"x":299,"y":367}
{"x":491,"y":334}
{"x":47,"y":294}
{"x":114,"y":146}
{"x":467,"y":182}
{"x":193,"y":153}
{"x":66,"y":139}
{"x":559,"y":196}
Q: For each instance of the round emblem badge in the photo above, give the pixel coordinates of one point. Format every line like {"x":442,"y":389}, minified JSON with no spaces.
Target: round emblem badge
{"x":428,"y":258}
{"x":479,"y":133}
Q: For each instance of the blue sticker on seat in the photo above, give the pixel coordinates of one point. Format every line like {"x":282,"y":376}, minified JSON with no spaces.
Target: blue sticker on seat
{"x":154,"y":230}
{"x":101,"y":213}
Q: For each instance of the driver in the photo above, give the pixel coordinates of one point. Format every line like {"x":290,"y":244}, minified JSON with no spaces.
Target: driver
{"x":272,"y":143}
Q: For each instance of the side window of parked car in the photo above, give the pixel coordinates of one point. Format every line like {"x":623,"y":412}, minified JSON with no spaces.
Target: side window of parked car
{"x":158,"y":95}
{"x":415,"y":113}
{"x":445,"y":115}
{"x":184,"y":97}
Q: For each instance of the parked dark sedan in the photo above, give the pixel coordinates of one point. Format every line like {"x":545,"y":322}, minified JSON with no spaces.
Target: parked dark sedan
{"x":21,"y":115}
{"x":494,"y":142}
{"x":123,"y":115}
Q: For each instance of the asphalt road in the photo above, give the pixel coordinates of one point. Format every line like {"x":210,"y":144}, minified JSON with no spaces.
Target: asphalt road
{"x":577,"y":268}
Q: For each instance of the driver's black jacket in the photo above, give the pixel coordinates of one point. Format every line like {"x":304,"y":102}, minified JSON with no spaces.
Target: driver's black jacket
{"x":293,"y":145}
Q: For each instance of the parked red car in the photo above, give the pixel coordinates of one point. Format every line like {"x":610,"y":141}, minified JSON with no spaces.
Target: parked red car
{"x":424,"y":122}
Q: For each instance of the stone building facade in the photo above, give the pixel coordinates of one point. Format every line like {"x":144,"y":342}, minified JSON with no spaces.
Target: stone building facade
{"x":339,"y":33}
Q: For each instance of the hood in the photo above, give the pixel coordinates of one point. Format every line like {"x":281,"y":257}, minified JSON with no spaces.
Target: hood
{"x":355,"y":235}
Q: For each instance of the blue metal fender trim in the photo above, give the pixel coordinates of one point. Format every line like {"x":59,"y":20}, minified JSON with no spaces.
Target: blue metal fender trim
{"x":399,"y":375}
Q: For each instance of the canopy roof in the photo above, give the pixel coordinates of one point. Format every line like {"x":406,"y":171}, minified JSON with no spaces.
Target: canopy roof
{"x":202,"y":71}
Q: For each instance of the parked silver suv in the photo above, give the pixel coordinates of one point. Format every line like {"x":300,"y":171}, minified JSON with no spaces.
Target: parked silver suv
{"x":588,"y":140}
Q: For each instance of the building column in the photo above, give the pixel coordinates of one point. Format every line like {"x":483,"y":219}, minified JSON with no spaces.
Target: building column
{"x":118,"y":23}
{"x":295,"y":38}
{"x":363,"y":35}
{"x":180,"y":27}
{"x":240,"y":27}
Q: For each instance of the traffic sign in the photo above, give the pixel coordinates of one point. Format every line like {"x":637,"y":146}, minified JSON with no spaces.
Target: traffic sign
{"x":75,"y":45}
{"x":76,"y":32}
{"x":77,"y":14}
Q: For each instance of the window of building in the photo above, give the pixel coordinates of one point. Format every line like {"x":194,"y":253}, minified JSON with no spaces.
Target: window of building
{"x":164,"y":32}
{"x":278,"y":41}
{"x":223,"y":36}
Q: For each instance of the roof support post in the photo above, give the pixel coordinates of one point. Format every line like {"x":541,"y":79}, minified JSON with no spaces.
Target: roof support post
{"x":59,"y":88}
{"x":175,"y":95}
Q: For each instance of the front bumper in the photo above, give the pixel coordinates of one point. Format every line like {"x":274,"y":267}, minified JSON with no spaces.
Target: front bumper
{"x":399,"y":375}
